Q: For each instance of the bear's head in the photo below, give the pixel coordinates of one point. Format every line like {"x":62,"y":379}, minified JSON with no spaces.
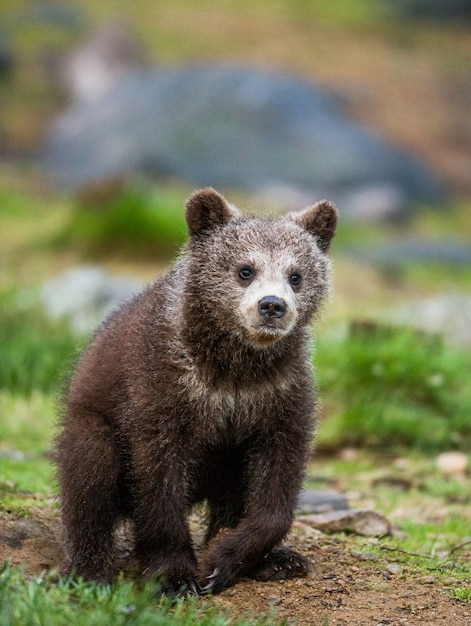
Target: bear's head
{"x":257,"y":278}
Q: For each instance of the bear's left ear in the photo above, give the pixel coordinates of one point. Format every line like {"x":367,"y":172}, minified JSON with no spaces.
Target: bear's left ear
{"x":207,"y":209}
{"x":320,"y":221}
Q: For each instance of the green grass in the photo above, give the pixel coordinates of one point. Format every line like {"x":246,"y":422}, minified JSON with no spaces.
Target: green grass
{"x":387,"y":387}
{"x":27,"y":420}
{"x":40,"y":601}
{"x":27,"y":428}
{"x":135,"y":222}
{"x":462,"y":594}
{"x":36,"y":352}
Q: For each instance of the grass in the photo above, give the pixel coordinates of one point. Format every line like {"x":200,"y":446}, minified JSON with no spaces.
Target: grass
{"x":134,"y":221}
{"x":393,"y":387}
{"x":36,"y":351}
{"x":461,"y":593}
{"x":41,"y":601}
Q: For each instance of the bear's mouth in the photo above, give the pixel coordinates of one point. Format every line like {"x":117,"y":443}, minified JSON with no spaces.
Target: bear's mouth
{"x":268,"y":331}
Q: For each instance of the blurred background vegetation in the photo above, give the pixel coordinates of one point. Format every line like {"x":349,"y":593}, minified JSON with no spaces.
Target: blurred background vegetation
{"x":400,"y":68}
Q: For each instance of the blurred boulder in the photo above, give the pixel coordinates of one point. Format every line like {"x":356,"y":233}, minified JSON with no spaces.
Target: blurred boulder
{"x":84,"y":295}
{"x":238,"y":128}
{"x":374,"y":202}
{"x":448,"y":314}
{"x":396,"y":255}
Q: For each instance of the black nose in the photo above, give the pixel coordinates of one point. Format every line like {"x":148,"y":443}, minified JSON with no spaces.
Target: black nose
{"x":271,"y":306}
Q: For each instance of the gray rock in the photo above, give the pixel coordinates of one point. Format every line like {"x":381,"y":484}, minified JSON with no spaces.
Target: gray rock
{"x":396,"y":255}
{"x":359,"y":521}
{"x":14,"y":532}
{"x":84,"y":295}
{"x":394,"y":568}
{"x":230,"y":127}
{"x":321,"y":501}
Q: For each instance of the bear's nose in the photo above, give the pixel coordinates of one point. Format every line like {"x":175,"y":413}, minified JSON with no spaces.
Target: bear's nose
{"x":272,"y":306}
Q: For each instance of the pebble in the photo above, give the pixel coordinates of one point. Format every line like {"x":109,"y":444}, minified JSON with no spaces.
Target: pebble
{"x":394,"y":568}
{"x":426,"y":580}
{"x":452,"y":463}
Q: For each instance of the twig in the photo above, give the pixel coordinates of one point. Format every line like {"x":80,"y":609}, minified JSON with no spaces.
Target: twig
{"x":461,"y":545}
{"x":401,"y":551}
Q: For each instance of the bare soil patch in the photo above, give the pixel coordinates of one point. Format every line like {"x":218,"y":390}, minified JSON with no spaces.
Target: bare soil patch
{"x":347,"y":586}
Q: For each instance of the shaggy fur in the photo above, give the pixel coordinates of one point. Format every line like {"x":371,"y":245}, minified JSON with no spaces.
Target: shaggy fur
{"x":200,"y":388}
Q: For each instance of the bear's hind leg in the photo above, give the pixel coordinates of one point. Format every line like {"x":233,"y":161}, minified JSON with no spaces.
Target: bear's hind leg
{"x":281,"y":564}
{"x":88,"y":475}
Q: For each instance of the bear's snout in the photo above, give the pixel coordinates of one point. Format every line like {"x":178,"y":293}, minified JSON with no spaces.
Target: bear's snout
{"x":272,"y":307}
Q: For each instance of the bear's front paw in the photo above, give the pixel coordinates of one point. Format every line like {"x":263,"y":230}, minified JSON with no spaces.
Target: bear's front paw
{"x":281,"y":564}
{"x":217,"y":580}
{"x":180,"y":585}
{"x":219,"y":569}
{"x":173,"y":582}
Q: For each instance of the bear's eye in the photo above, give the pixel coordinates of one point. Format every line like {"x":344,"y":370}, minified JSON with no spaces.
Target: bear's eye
{"x":246,"y":272}
{"x":295,"y":279}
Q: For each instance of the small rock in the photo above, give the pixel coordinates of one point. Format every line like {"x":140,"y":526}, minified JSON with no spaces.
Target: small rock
{"x":14,"y":533}
{"x":453,"y":463}
{"x":348,"y":454}
{"x":394,"y":568}
{"x":321,"y":501}
{"x":360,"y":521}
{"x":306,"y":530}
{"x":426,"y":580}
{"x":368,"y":556}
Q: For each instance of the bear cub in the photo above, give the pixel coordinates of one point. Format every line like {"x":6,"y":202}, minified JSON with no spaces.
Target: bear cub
{"x":200,"y":389}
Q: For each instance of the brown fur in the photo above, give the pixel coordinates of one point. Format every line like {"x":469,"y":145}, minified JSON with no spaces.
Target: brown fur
{"x":188,"y":393}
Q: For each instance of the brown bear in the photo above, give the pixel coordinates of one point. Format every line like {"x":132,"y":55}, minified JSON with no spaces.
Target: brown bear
{"x":200,"y":389}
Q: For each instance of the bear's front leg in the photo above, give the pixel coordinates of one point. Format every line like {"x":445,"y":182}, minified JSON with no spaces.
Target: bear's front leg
{"x":162,"y":537}
{"x":275,"y":469}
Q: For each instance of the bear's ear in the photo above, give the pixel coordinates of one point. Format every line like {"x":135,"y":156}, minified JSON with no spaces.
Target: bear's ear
{"x":320,"y":221}
{"x":206,"y":209}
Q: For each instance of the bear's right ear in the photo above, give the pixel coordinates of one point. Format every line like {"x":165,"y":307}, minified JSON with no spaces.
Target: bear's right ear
{"x":206,"y":209}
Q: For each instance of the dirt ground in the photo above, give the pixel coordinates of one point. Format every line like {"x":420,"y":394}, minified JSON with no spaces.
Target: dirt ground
{"x":347,"y":586}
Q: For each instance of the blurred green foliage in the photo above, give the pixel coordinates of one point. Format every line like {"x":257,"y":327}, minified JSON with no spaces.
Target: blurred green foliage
{"x":35,"y":352}
{"x":134,"y":221}
{"x":387,"y":387}
{"x":27,"y":600}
